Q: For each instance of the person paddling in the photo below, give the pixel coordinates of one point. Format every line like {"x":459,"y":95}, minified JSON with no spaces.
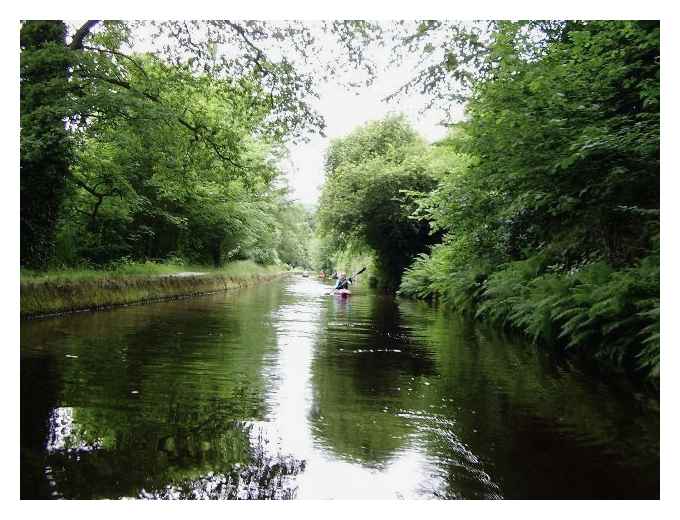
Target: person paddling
{"x":343,"y":282}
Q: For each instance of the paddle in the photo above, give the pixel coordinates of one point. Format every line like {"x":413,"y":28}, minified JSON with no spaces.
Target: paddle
{"x":351,"y":277}
{"x":358,"y":272}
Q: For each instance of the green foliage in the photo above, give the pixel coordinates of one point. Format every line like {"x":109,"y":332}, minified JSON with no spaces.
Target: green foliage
{"x":448,"y":273}
{"x":611,"y":314}
{"x":551,"y":212}
{"x":148,"y":190}
{"x":294,"y":240}
{"x":45,"y":148}
{"x":169,"y":152}
{"x":366,"y":204}
{"x":569,"y":141}
{"x":321,"y":251}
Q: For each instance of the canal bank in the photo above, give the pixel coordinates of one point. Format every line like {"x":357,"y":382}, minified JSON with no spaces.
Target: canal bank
{"x":42,"y":296}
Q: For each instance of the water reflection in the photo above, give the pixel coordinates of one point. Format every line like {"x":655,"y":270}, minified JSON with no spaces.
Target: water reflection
{"x":368,"y":370}
{"x":282,"y":391}
{"x":301,"y":415}
{"x":161,"y":396}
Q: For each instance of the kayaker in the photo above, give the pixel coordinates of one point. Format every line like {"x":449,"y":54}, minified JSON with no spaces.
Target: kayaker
{"x":343,"y":282}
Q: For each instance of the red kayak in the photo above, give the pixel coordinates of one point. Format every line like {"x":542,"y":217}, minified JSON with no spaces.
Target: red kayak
{"x":343,"y":292}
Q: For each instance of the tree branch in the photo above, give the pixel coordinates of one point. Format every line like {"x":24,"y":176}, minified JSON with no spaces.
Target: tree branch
{"x":120,"y":55}
{"x":81,"y":34}
{"x":196,"y":130}
{"x":82,"y":184}
{"x":260,"y":54}
{"x":98,"y":195}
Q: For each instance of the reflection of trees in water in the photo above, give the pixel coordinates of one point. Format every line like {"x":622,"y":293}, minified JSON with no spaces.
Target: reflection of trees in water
{"x":38,"y":394}
{"x":495,"y":417}
{"x":164,"y":349}
{"x":162,"y":392}
{"x":202,"y":454}
{"x":375,"y":399}
{"x":539,"y":426}
{"x":490,"y":416}
{"x":264,"y":475}
{"x":357,"y":374}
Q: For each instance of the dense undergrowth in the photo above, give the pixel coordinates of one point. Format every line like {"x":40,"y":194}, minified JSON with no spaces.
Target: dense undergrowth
{"x":611,"y":314}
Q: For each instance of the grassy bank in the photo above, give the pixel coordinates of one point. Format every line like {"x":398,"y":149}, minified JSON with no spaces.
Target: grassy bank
{"x":58,"y":291}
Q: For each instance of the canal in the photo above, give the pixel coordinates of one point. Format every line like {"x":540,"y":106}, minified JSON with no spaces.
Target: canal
{"x":282,"y":391}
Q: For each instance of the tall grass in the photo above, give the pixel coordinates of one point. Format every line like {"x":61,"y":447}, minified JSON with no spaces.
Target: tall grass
{"x":138,"y":269}
{"x":64,"y":290}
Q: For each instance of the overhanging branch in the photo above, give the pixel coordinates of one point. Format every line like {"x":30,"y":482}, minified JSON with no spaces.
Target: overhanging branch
{"x":81,"y":34}
{"x":195,"y":129}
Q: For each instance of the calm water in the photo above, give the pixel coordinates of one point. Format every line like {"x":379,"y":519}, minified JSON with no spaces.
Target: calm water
{"x":280,"y":391}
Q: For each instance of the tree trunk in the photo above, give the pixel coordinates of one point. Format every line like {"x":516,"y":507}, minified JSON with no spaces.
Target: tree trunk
{"x":216,"y":252}
{"x":44,"y":139}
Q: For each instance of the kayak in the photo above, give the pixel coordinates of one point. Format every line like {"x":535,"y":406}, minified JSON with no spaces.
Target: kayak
{"x":343,"y":292}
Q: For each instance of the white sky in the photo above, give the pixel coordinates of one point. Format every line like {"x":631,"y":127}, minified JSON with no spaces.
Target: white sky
{"x":344,"y":110}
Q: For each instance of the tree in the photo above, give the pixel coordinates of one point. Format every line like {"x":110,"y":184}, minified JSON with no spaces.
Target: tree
{"x":71,"y":90}
{"x":363,"y":203}
{"x":552,"y":214}
{"x":45,"y":148}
